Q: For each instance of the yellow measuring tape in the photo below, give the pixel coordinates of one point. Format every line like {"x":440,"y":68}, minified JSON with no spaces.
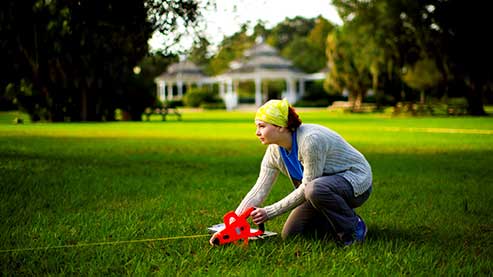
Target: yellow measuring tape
{"x":99,"y":243}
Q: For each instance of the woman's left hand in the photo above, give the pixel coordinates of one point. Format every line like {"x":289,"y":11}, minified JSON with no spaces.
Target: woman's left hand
{"x":259,"y":215}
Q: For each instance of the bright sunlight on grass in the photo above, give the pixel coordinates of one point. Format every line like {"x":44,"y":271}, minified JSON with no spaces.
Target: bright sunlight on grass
{"x":72,"y":184}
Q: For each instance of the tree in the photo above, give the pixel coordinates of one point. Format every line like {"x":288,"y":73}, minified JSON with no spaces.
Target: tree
{"x":345,"y":71}
{"x":422,"y":76}
{"x":463,"y":49}
{"x":199,"y":54}
{"x":307,"y":51}
{"x":367,"y":26}
{"x":406,"y":32}
{"x":259,"y":30}
{"x":287,"y":30}
{"x":317,"y":39}
{"x":230,"y":49}
{"x":74,"y":59}
{"x":141,"y":89}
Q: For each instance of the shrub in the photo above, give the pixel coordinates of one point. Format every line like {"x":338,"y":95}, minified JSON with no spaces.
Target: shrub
{"x":173,"y":103}
{"x":312,"y":103}
{"x":213,"y":106}
{"x":198,"y":96}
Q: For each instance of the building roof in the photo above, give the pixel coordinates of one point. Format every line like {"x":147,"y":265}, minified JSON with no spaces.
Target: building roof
{"x":262,"y":58}
{"x":183,"y":71}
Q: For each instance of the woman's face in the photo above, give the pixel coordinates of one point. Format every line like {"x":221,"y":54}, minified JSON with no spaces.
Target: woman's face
{"x":267,"y":133}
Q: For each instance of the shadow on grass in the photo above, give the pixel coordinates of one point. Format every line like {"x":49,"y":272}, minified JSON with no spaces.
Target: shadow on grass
{"x":385,"y":234}
{"x":376,"y":234}
{"x":474,"y":243}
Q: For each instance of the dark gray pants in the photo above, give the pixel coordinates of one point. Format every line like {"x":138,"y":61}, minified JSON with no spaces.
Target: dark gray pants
{"x":328,"y":209}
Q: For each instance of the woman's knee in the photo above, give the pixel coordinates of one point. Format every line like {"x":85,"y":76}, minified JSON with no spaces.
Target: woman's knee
{"x":292,"y":227}
{"x":288,"y":232}
{"x":313,"y":190}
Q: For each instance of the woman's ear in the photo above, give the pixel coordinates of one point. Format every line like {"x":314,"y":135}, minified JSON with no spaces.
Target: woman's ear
{"x":283,"y":129}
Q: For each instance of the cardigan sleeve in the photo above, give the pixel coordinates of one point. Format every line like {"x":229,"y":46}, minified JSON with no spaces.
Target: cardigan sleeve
{"x":259,"y":192}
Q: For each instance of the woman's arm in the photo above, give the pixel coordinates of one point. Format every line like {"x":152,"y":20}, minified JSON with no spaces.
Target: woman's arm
{"x":313,"y":151}
{"x":259,"y":192}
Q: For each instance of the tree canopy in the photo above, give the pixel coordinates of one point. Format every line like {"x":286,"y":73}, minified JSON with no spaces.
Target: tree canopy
{"x":432,"y":45}
{"x":74,"y":60}
{"x":301,"y":40}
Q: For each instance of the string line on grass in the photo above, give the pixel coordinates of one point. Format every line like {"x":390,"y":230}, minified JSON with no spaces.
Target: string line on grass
{"x":100,"y":243}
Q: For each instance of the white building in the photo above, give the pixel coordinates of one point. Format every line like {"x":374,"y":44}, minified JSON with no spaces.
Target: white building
{"x":260,"y":63}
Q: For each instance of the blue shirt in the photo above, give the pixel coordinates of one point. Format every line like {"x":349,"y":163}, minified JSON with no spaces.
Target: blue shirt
{"x":291,"y":160}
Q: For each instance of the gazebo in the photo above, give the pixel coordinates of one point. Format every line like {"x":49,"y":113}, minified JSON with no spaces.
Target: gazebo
{"x":261,"y":62}
{"x":178,"y":74}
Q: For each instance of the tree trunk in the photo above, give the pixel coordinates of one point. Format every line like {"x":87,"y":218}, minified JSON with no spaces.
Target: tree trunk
{"x":83,"y":105}
{"x":358,"y":101}
{"x":475,"y":101}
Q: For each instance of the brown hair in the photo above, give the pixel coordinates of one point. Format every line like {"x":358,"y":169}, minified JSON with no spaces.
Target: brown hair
{"x":294,"y":120}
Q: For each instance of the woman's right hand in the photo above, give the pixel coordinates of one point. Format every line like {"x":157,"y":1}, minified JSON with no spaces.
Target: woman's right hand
{"x":259,"y":216}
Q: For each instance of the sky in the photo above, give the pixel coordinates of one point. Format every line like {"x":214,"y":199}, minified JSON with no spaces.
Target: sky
{"x":227,"y":16}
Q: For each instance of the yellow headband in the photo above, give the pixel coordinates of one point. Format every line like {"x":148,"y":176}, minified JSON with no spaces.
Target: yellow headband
{"x":274,"y":112}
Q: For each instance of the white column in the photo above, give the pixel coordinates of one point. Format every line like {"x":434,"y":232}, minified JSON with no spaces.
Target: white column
{"x":170,"y":91}
{"x":180,"y":88}
{"x":230,"y":86}
{"x":229,"y":98}
{"x":258,"y":91}
{"x":158,"y":89}
{"x":235,"y":92}
{"x":162,"y":91}
{"x":221,"y":89}
{"x":290,"y":91}
{"x":302,"y":88}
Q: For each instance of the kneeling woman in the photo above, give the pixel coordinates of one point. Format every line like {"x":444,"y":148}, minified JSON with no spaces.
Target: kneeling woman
{"x":330,"y":177}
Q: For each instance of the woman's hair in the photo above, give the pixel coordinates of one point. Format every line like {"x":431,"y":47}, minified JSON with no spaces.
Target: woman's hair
{"x":294,"y":120}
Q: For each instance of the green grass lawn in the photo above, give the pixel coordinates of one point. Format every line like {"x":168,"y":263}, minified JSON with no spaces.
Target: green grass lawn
{"x":71,"y":184}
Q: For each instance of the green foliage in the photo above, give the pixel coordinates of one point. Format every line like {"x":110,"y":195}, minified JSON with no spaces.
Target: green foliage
{"x":289,"y":29}
{"x":172,"y":103}
{"x":156,"y":63}
{"x":78,"y":56}
{"x":200,"y":96}
{"x":298,"y":39}
{"x":213,"y":106}
{"x":423,"y":75}
{"x":199,"y":54}
{"x":321,"y":102}
{"x":230,"y":49}
{"x":69,"y":184}
{"x":141,"y":89}
{"x":396,"y":35}
{"x":303,"y":55}
{"x":302,"y":41}
{"x":316,"y":96}
{"x":347,"y":71}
